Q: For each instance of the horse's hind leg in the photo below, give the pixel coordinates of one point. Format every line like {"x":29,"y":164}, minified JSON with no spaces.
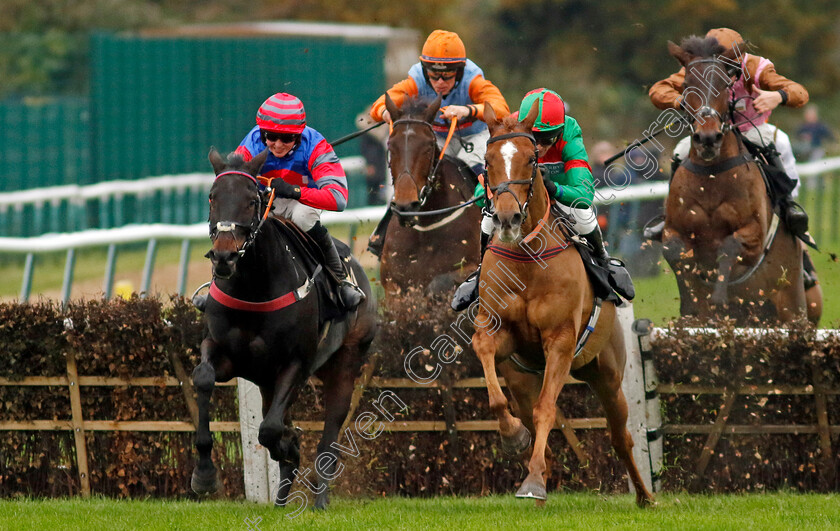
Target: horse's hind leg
{"x":604,"y":377}
{"x":339,"y":377}
{"x":292,"y":460}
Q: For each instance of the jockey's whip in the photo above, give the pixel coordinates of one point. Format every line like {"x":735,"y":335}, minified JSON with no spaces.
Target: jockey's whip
{"x":353,"y":135}
{"x":645,"y":140}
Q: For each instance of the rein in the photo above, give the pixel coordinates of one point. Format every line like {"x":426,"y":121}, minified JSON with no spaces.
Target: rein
{"x":424,"y":192}
{"x":505,"y":186}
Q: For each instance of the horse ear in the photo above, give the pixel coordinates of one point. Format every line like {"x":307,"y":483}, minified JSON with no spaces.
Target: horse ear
{"x":254,"y":165}
{"x":392,"y":108}
{"x":216,"y":160}
{"x":490,"y":116}
{"x":529,"y":120}
{"x":682,"y":56}
{"x":432,"y":109}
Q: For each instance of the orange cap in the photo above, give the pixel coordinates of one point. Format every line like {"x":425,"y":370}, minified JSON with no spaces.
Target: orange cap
{"x":444,"y":47}
{"x":726,"y":37}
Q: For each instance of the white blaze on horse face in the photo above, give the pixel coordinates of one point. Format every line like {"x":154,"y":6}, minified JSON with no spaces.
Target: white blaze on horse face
{"x":508,"y":151}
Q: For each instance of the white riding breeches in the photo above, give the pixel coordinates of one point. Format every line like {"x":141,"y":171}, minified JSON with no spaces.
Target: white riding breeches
{"x":459,"y":145}
{"x":305,"y":217}
{"x":583,"y":220}
{"x":761,"y":135}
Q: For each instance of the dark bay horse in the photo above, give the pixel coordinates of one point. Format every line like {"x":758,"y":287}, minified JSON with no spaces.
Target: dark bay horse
{"x":539,"y":312}
{"x":729,"y":250}
{"x":269,"y":320}
{"x":434,"y":252}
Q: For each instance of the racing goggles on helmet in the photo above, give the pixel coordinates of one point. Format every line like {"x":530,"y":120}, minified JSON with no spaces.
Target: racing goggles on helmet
{"x":547,"y":138}
{"x":271,"y":136}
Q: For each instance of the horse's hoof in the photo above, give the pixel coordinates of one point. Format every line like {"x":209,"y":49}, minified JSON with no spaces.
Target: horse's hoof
{"x":645,"y":501}
{"x":205,"y":482}
{"x":532,"y":489}
{"x":519,"y":443}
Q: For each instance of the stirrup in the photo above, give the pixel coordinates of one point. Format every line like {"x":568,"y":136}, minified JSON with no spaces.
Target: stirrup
{"x":653,"y":231}
{"x":200,"y":301}
{"x":467,"y":292}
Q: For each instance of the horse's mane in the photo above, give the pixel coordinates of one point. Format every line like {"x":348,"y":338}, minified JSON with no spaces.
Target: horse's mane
{"x":235,"y":161}
{"x":415,"y":105}
{"x":702,"y":46}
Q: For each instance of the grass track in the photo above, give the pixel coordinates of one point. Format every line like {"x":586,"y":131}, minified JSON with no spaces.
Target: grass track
{"x":565,"y":511}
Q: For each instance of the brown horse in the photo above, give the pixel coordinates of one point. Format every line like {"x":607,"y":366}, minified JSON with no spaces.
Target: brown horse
{"x":539,"y":313}
{"x":728,"y":249}
{"x":433,"y":252}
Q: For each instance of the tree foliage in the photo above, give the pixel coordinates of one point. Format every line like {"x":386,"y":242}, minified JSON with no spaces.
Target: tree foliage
{"x":601,"y":55}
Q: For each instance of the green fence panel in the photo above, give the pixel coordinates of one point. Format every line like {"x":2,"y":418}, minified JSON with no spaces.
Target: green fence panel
{"x":44,"y":142}
{"x":158,"y":104}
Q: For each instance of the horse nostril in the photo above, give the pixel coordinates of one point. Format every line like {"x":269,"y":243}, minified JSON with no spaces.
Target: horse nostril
{"x":696,"y":137}
{"x":516,"y":219}
{"x":718,"y":136}
{"x":210,"y":254}
{"x":496,"y":220}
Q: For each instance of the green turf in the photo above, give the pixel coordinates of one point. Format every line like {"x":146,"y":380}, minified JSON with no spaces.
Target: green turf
{"x":566,"y":511}
{"x":657,"y":297}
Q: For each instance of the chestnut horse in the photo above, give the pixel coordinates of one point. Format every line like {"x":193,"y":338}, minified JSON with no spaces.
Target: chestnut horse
{"x":270,"y":319}
{"x":542,"y":312}
{"x":431,"y":252}
{"x":729,"y":250}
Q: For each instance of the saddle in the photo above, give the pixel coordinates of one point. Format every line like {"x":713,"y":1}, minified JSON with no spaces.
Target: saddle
{"x":310,"y":257}
{"x":598,"y":273}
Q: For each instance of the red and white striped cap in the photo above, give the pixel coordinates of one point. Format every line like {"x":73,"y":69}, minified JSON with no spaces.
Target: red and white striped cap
{"x":282,"y":113}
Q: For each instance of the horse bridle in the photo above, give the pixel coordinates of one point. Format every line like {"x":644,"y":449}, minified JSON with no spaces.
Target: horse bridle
{"x":505,"y":186}
{"x":706,"y":111}
{"x":424,"y":191}
{"x":253,"y":228}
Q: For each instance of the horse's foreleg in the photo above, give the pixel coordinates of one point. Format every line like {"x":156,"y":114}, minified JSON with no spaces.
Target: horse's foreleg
{"x":728,"y":254}
{"x":204,"y":480}
{"x":515,"y":436}
{"x":675,"y":253}
{"x":558,"y":356}
{"x":339,"y":379}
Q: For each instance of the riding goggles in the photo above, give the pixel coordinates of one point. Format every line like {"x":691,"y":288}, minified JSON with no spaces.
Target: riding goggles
{"x":547,"y":138}
{"x":286,"y":138}
{"x":446,"y":76}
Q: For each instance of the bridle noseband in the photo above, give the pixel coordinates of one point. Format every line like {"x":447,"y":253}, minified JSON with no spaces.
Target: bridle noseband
{"x":431,"y":179}
{"x":253,"y":228}
{"x":706,"y":111}
{"x":505,"y":186}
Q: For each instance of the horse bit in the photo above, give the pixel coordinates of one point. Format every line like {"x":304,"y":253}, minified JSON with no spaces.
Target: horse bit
{"x":505,"y":186}
{"x":230,"y":226}
{"x":431,"y":179}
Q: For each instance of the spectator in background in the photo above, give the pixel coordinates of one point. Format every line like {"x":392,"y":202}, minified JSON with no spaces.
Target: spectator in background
{"x":813,"y":135}
{"x":372,"y":145}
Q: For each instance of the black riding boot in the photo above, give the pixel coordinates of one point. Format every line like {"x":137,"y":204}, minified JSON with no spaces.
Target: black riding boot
{"x":619,"y":277}
{"x":809,"y":273}
{"x":467,"y":292}
{"x":349,"y":294}
{"x":377,"y":239}
{"x":654,"y":232}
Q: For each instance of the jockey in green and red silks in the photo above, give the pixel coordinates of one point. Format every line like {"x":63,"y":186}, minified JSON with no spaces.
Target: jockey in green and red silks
{"x":567,"y":175}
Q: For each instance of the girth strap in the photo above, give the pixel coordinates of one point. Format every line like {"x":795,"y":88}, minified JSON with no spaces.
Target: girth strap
{"x":268,"y":306}
{"x":720,"y":167}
